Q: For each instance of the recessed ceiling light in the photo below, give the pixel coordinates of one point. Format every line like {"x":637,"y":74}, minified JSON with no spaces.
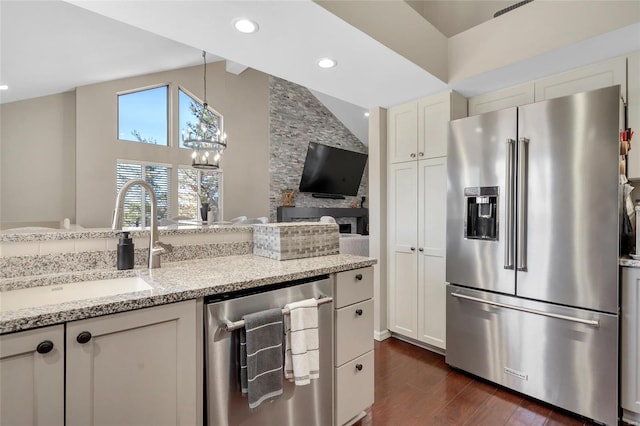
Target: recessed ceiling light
{"x":246,"y":26}
{"x":366,"y":114}
{"x":4,"y":87}
{"x":326,"y":63}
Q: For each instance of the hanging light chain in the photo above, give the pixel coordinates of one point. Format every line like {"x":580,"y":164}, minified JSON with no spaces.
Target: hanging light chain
{"x":204,"y":59}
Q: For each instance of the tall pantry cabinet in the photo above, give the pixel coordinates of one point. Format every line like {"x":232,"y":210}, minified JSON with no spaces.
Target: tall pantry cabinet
{"x":417,"y":192}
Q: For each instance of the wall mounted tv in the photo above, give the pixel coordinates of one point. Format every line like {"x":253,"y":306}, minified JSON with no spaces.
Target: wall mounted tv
{"x":332,"y":172}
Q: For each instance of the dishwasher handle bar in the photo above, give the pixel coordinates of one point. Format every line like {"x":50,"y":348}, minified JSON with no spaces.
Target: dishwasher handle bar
{"x":232,"y":326}
{"x":592,"y":323}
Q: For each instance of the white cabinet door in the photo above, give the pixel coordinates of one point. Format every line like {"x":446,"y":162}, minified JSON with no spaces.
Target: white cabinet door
{"x":501,"y":99}
{"x":403,"y":236}
{"x":596,"y":76}
{"x":135,"y":368}
{"x":432,"y":220}
{"x":630,"y":345}
{"x":403,"y":132}
{"x":32,"y":377}
{"x":433,"y":125}
{"x":633,"y":91}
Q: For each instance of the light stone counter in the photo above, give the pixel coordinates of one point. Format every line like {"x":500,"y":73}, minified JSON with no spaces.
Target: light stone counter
{"x":184,"y":280}
{"x":26,"y":234}
{"x":628,"y":262}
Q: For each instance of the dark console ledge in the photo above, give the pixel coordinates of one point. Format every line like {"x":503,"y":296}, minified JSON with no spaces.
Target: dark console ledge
{"x":290,"y":214}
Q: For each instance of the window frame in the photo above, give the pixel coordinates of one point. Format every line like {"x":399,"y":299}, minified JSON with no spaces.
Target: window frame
{"x":144,"y":154}
{"x":169,"y":87}
{"x":181,"y":88}
{"x":170,"y":195}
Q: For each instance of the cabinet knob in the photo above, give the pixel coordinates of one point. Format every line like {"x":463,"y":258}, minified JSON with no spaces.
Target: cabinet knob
{"x":359,"y":277}
{"x":359,"y":312}
{"x":413,"y":249}
{"x":413,"y":155}
{"x":420,"y":249}
{"x":44,"y":347}
{"x":83,"y":337}
{"x":421,"y":154}
{"x":359,"y":367}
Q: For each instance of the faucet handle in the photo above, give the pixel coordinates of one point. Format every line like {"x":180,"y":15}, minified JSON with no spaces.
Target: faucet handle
{"x":160,"y":247}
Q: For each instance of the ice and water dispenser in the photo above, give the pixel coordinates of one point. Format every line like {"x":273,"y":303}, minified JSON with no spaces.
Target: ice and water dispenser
{"x":481,"y":218}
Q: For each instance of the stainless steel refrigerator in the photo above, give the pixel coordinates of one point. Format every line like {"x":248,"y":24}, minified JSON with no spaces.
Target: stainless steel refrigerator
{"x":532,"y":250}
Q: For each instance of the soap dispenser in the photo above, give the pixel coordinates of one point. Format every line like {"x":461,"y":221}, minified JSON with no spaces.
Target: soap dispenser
{"x":125,"y":251}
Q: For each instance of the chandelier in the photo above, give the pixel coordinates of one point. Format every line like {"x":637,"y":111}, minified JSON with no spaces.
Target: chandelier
{"x":206,"y":139}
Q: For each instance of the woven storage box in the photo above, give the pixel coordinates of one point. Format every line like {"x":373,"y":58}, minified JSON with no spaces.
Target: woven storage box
{"x":295,"y":240}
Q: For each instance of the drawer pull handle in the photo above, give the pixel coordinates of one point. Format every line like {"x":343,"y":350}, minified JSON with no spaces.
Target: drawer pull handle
{"x":83,"y":337}
{"x":359,"y":277}
{"x":359,"y":367}
{"x":359,"y":312}
{"x":44,"y":347}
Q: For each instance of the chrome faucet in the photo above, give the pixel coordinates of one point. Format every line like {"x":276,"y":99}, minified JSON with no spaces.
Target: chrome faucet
{"x":156,"y":248}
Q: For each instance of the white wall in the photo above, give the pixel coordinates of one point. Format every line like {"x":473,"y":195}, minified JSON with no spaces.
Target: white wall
{"x":508,"y":39}
{"x":38,"y":160}
{"x":378,"y":215}
{"x":241,"y":99}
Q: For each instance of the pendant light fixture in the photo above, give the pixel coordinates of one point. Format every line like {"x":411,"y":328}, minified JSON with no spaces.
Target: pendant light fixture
{"x":206,"y":139}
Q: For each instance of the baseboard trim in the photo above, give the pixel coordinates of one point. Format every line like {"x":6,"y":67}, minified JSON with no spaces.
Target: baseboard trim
{"x":381,"y":335}
{"x":419,"y":344}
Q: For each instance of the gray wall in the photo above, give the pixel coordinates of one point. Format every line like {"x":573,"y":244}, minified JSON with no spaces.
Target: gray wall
{"x":241,"y":99}
{"x":38,"y":160}
{"x":296,"y":117}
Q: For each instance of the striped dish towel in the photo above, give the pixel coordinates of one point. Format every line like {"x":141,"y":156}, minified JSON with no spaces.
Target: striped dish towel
{"x":261,"y":356}
{"x":301,"y":361}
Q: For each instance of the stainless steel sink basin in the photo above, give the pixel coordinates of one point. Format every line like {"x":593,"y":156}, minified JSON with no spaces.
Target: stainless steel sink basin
{"x":61,"y":293}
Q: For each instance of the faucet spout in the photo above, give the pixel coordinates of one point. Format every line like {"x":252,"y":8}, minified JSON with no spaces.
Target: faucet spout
{"x":156,"y":248}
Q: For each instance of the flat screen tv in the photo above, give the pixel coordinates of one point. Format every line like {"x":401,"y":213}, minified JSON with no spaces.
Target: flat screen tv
{"x":332,"y":172}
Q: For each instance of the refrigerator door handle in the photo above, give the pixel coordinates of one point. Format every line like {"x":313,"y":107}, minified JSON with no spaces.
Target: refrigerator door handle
{"x":523,"y":159}
{"x":508,"y":248}
{"x":592,"y":323}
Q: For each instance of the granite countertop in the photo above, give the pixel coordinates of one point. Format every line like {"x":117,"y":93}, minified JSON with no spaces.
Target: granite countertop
{"x":184,"y":280}
{"x":629,"y":262}
{"x":42,"y":234}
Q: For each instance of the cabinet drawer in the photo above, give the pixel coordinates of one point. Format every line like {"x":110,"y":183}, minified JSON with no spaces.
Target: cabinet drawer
{"x":354,"y":331}
{"x":354,"y":387}
{"x":353,"y":286}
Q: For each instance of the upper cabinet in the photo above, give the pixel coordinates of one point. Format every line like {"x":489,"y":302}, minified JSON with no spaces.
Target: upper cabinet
{"x":507,"y":98}
{"x":418,"y":129}
{"x":403,"y":132}
{"x":592,"y":77}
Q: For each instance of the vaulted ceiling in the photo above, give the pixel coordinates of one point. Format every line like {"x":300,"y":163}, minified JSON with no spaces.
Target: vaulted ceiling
{"x":387,"y":51}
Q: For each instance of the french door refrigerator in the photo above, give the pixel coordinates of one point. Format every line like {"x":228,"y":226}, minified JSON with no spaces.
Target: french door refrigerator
{"x":532,"y":250}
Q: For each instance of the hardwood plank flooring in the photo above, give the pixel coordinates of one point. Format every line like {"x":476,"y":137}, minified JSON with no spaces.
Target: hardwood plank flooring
{"x":415,"y":387}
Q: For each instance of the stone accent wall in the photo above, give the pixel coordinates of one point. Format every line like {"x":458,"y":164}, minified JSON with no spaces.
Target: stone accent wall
{"x":296,"y":117}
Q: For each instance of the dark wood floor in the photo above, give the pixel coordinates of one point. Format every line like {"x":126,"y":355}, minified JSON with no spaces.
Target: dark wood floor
{"x":415,"y":387}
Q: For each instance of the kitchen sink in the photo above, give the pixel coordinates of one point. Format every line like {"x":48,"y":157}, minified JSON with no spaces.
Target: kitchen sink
{"x":60,"y":293}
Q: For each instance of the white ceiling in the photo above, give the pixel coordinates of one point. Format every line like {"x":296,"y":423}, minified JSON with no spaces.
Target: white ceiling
{"x":53,"y":46}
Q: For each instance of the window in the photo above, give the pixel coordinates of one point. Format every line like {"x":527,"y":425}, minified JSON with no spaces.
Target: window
{"x":137,"y":210}
{"x":143,"y":116}
{"x":196,"y":187}
{"x":190,"y":110}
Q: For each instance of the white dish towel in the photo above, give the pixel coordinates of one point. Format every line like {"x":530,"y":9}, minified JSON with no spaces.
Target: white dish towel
{"x":301,"y":361}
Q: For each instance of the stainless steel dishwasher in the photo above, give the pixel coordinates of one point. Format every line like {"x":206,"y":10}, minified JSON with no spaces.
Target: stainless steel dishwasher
{"x":299,"y":405}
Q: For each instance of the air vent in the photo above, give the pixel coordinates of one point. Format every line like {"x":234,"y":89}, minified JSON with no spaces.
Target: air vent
{"x":510,"y":8}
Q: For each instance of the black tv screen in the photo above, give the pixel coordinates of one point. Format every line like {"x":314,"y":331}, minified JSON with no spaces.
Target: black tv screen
{"x":332,"y":171}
